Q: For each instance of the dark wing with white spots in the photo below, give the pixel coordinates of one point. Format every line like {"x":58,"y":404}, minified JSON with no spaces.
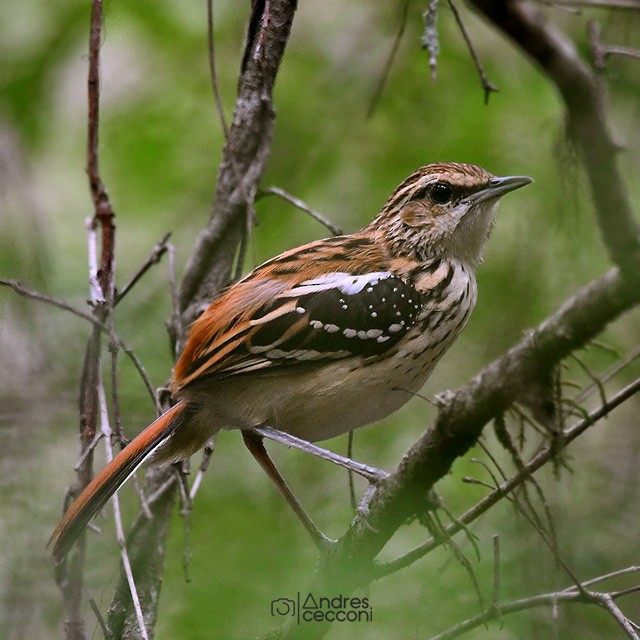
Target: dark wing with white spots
{"x":337,"y":315}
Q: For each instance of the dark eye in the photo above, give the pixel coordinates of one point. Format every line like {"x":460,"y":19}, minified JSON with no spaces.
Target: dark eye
{"x":440,"y":192}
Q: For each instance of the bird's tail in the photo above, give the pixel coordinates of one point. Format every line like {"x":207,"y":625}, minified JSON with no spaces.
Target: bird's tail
{"x":95,"y":495}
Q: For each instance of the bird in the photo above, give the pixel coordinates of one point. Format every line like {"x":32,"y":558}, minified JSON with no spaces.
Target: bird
{"x":323,"y":338}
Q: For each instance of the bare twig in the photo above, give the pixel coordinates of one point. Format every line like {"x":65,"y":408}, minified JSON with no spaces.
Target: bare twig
{"x":382,"y":80}
{"x":202,"y":469}
{"x":571,"y":595}
{"x":70,"y":575}
{"x":154,"y":257}
{"x":26,"y":292}
{"x":303,"y":206}
{"x":350,"y":475}
{"x":487,"y":85}
{"x":212,"y":70}
{"x":627,"y":359}
{"x":366,"y":471}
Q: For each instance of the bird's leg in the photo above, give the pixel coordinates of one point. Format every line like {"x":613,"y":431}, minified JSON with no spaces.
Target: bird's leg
{"x":253,"y":442}
{"x":371,"y":474}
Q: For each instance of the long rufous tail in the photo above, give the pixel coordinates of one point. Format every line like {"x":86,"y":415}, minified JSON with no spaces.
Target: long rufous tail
{"x":96,"y":494}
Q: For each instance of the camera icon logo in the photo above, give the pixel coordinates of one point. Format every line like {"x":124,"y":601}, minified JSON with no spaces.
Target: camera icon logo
{"x":283,"y":607}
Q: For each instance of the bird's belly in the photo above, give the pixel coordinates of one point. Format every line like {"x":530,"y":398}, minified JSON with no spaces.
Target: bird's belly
{"x":320,"y":404}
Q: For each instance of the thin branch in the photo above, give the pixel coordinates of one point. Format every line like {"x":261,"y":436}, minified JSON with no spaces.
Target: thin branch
{"x":26,"y":292}
{"x":382,"y":80}
{"x":303,"y":206}
{"x":213,"y":72}
{"x":202,"y":469}
{"x":605,"y":600}
{"x":154,"y":257}
{"x":617,"y":50}
{"x":487,"y":85}
{"x":623,"y":362}
{"x":430,"y":37}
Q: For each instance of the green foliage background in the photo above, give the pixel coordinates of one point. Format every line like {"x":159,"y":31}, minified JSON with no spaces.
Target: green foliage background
{"x":160,"y":144}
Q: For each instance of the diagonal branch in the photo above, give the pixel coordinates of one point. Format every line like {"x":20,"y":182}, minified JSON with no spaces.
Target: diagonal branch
{"x":571,"y":595}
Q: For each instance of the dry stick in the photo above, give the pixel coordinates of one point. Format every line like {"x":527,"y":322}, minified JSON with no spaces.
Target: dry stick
{"x":107,"y":432}
{"x":368,"y":472}
{"x":430,"y":37}
{"x":22,"y":290}
{"x":487,"y":86}
{"x":70,"y":574}
{"x":607,"y":375}
{"x":212,"y":70}
{"x":176,"y":332}
{"x":506,"y":487}
{"x":102,"y":296}
{"x":392,"y":54}
{"x":600,"y":51}
{"x":204,"y":465}
{"x":352,"y":485}
{"x":617,"y":50}
{"x":156,"y":254}
{"x":303,"y":206}
{"x":603,"y":599}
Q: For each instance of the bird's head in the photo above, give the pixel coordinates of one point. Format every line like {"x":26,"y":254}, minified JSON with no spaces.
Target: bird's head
{"x":444,"y":209}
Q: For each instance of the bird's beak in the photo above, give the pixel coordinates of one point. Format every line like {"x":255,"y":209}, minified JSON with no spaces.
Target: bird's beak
{"x":497,"y":187}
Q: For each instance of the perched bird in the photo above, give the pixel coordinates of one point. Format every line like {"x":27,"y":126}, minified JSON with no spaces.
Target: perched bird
{"x":327,"y":337}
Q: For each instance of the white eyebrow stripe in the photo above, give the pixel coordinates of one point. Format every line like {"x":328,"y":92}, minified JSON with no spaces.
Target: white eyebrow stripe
{"x":346,"y":283}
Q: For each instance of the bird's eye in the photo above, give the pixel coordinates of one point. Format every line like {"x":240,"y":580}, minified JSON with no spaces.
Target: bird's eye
{"x":440,"y":192}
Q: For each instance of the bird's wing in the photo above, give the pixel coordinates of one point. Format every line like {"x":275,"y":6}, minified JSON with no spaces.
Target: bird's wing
{"x":275,"y":317}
